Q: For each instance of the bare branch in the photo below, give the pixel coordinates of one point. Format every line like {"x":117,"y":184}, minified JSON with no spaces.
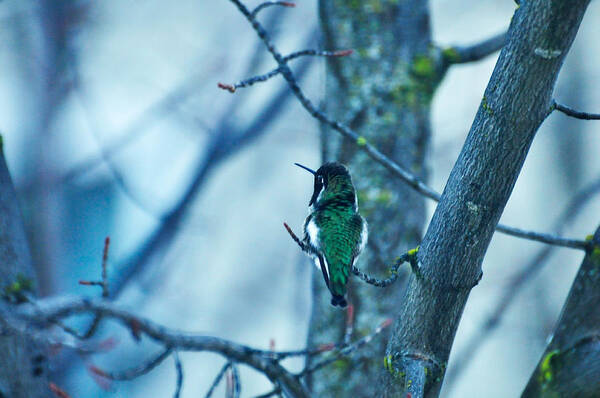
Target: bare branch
{"x":234,"y":388}
{"x":144,"y":368}
{"x":45,"y":312}
{"x":409,"y":257}
{"x":105,"y":294}
{"x":307,"y":352}
{"x":317,"y":53}
{"x":137,"y":371}
{"x":271,"y":3}
{"x":104,"y":282}
{"x":34,"y":317}
{"x":266,"y":76}
{"x":248,"y":82}
{"x":218,"y":379}
{"x":575,"y":113}
{"x":460,"y":55}
{"x":398,"y":171}
{"x":179,"y":370}
{"x":105,"y":291}
{"x":347,"y":350}
{"x":549,"y":239}
{"x":303,"y":246}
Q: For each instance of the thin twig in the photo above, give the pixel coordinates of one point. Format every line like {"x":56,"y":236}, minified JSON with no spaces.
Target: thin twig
{"x":271,"y":3}
{"x":179,"y":370}
{"x":306,"y":352}
{"x":236,"y":385}
{"x":229,"y":383}
{"x":406,"y":176}
{"x":575,"y":113}
{"x":137,"y":371}
{"x":410,"y":257}
{"x":347,"y":350}
{"x":303,"y":246}
{"x":542,"y":237}
{"x":218,"y":379}
{"x":105,"y":291}
{"x":103,"y":283}
{"x":250,"y":81}
{"x":317,"y":53}
{"x":266,"y":76}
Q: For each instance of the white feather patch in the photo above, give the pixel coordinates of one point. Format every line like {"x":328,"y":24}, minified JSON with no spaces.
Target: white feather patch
{"x":313,"y":233}
{"x":364,"y":236}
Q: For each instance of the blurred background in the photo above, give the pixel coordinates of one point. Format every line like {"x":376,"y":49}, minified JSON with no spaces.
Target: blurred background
{"x":113,"y":125}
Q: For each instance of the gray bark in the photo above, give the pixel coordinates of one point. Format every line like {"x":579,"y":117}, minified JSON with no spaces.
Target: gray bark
{"x":570,"y":365}
{"x":516,"y":101}
{"x":22,"y":369}
{"x":383,"y":92}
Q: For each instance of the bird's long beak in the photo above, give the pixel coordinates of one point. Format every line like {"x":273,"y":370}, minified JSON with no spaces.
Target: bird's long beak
{"x":311,"y":171}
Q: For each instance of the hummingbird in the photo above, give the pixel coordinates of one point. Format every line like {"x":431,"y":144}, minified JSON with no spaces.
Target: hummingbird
{"x":334,"y":231}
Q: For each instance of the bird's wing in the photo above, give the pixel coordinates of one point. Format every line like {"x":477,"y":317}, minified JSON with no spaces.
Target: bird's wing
{"x":340,"y":246}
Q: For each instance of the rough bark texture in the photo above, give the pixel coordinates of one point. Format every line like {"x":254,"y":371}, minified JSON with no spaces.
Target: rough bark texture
{"x":570,"y":366}
{"x":383,"y":92}
{"x":516,"y":101}
{"x":22,"y":370}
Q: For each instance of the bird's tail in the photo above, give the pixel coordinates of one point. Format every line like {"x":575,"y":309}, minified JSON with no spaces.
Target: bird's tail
{"x":337,"y":300}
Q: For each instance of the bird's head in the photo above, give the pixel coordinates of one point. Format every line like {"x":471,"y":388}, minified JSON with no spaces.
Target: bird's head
{"x":331,"y":180}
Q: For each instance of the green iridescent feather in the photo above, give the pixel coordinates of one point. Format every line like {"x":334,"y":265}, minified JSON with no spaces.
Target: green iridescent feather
{"x":339,"y":236}
{"x":334,"y":229}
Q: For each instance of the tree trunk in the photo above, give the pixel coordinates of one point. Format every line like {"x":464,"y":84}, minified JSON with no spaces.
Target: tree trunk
{"x":570,"y":366}
{"x":383,"y":91}
{"x":22,"y":363}
{"x":516,"y":101}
